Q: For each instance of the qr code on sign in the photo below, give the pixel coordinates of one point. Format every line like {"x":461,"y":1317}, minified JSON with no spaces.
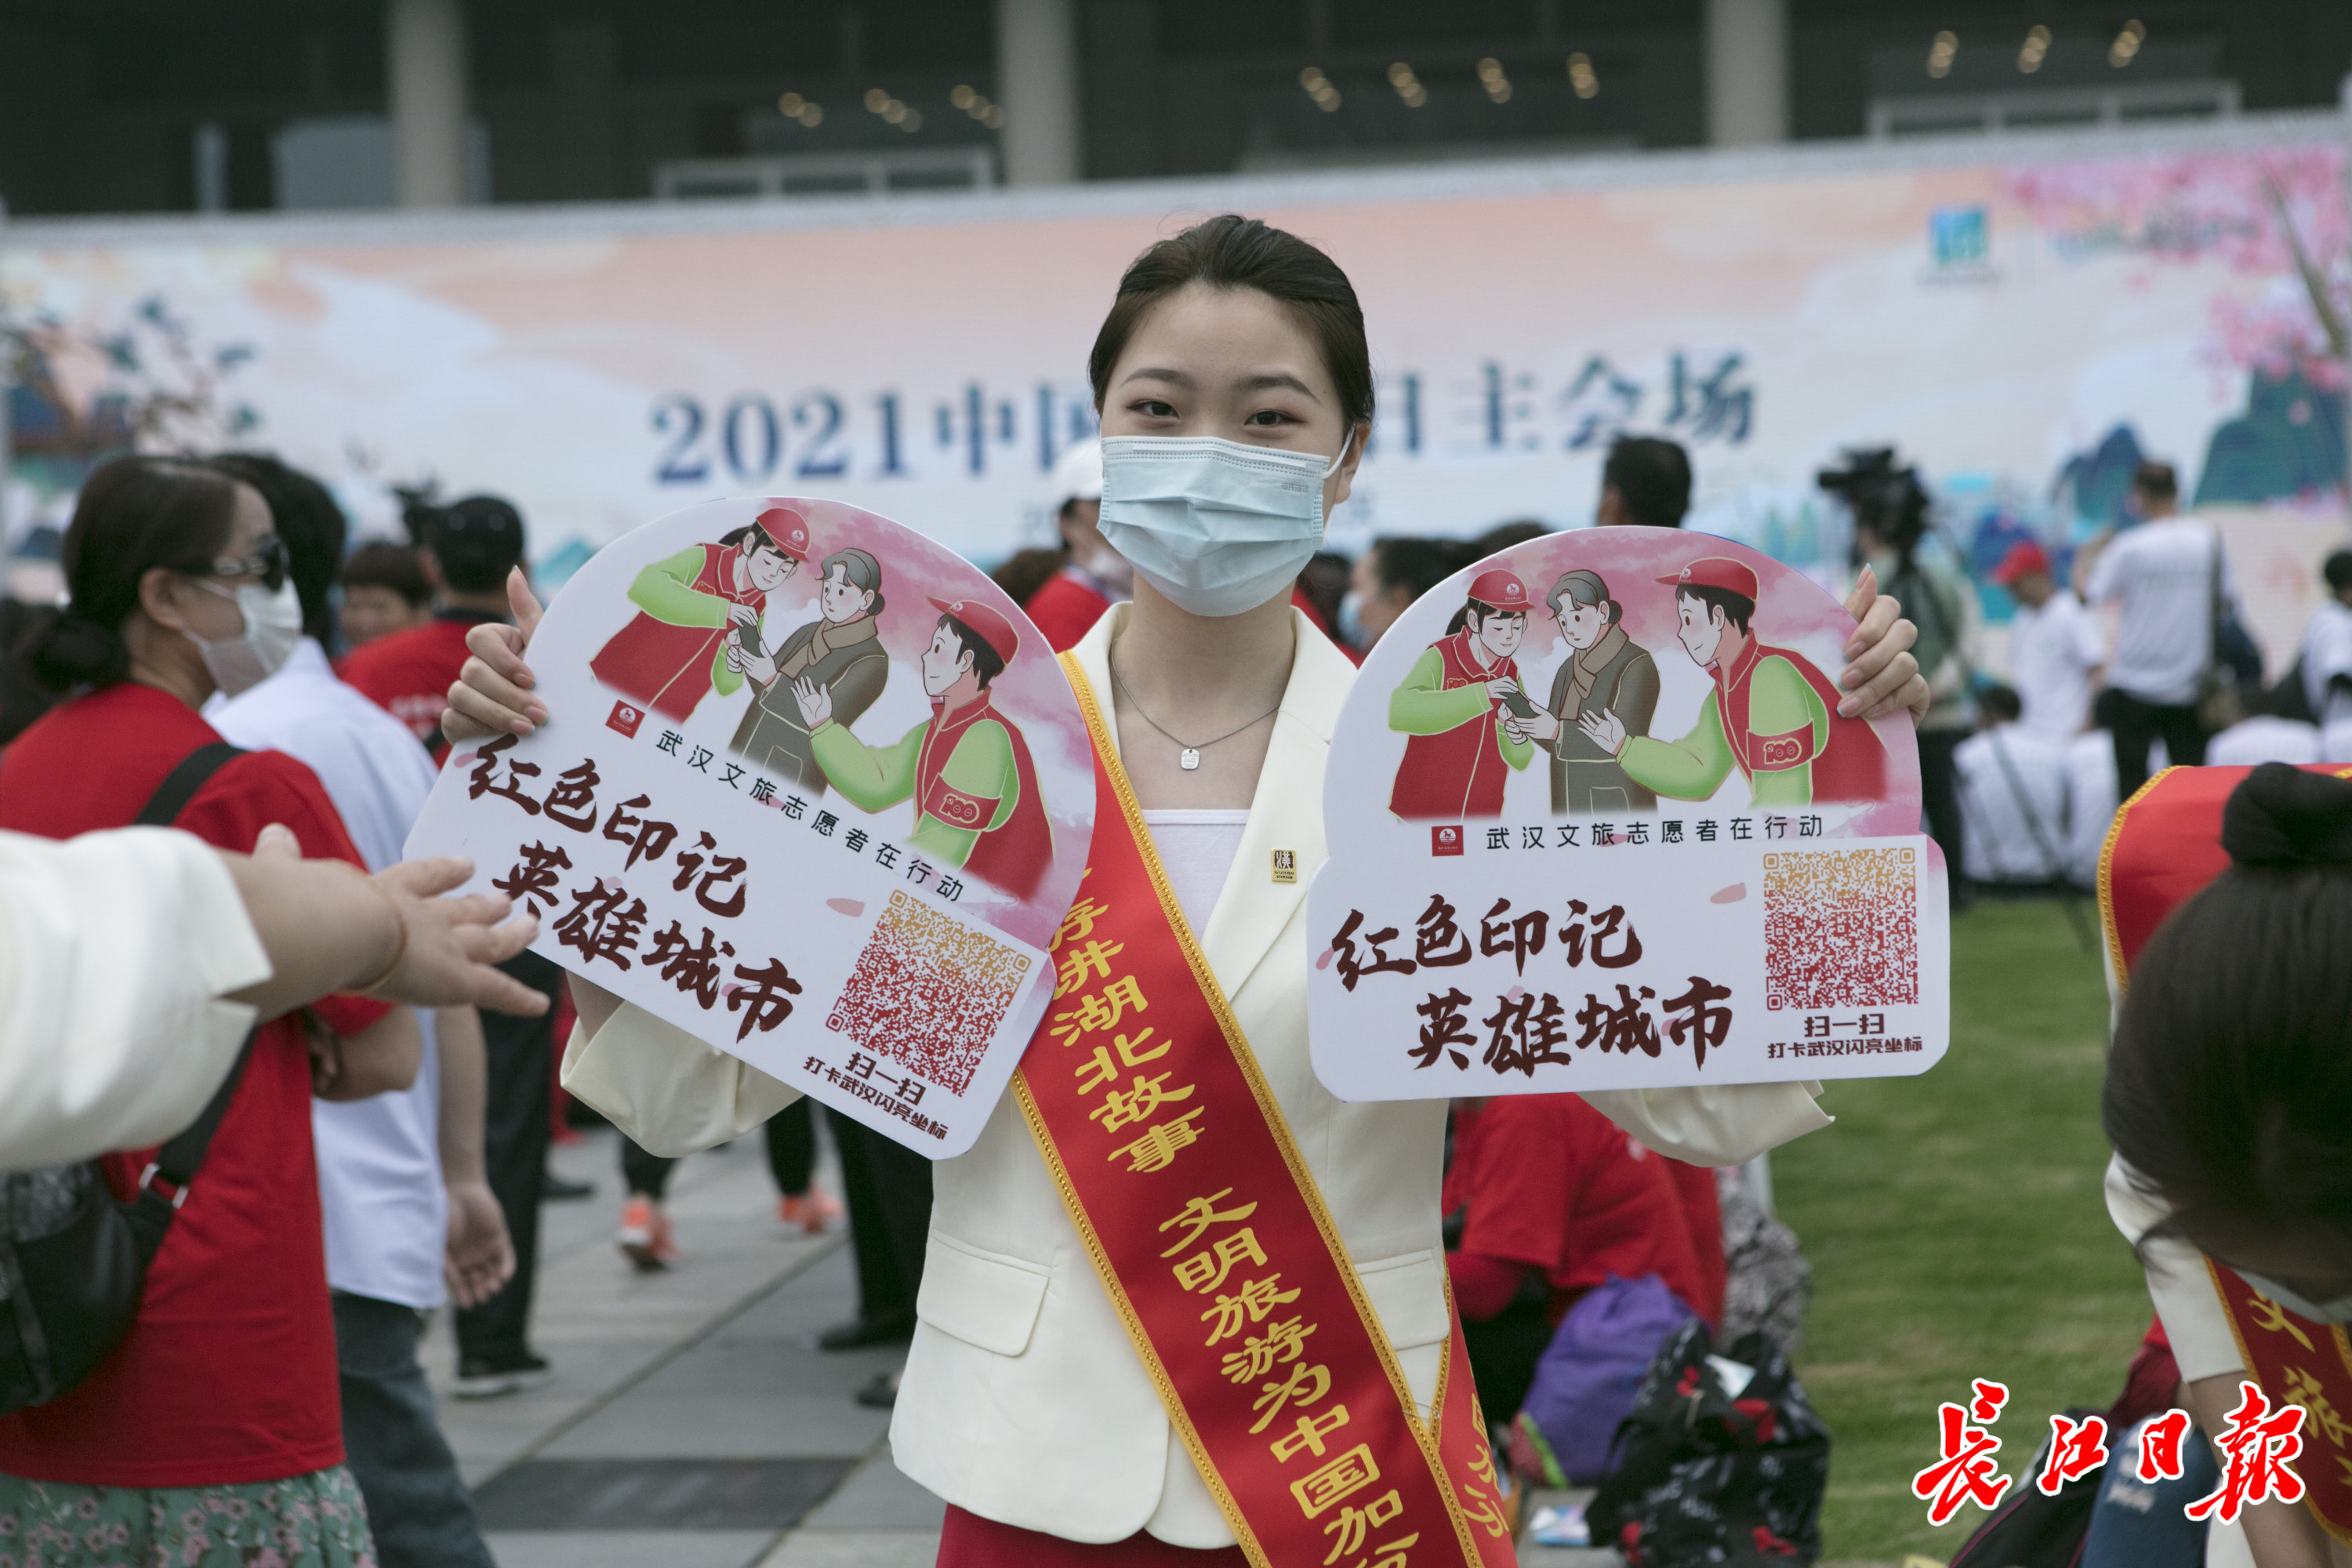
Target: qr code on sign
{"x":928,"y":992}
{"x":1841,"y":928}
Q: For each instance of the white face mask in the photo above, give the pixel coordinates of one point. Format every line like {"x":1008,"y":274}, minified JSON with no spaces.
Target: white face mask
{"x":1218,"y":526}
{"x":2339,"y":1310}
{"x":273,"y":629}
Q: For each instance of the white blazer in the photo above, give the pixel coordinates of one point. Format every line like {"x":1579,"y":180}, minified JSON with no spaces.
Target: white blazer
{"x":1023,"y":1400}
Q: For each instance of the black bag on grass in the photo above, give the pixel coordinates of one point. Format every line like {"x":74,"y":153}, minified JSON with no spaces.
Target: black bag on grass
{"x":1705,"y":1477}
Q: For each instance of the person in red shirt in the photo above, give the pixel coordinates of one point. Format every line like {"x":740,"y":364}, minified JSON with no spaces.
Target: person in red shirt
{"x":215,"y":1423}
{"x":1553,"y":1199}
{"x":384,"y":591}
{"x":1094,"y":576}
{"x":469,"y":547}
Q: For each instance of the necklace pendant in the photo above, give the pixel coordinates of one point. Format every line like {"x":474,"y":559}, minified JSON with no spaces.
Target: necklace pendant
{"x":1191,"y":760}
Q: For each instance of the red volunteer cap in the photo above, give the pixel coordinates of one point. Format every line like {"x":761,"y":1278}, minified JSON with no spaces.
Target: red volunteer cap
{"x":789,"y":529}
{"x":2023,"y":556}
{"x":1501,"y":589}
{"x":993,"y":628}
{"x":1717,"y":571}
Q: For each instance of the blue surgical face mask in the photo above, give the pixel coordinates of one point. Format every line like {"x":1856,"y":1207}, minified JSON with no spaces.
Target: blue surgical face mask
{"x":1220,"y":526}
{"x":1351,"y":619}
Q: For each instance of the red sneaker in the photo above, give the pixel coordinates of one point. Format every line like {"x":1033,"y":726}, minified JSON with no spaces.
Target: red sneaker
{"x":644,"y":1236}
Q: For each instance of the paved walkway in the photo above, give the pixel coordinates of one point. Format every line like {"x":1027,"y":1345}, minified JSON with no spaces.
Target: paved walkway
{"x":691,"y":1423}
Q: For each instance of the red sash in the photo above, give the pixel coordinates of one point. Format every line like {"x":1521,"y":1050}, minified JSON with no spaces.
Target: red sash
{"x":2165,"y":847}
{"x":1851,"y":763}
{"x":2298,"y":1362}
{"x":1214,"y":1245}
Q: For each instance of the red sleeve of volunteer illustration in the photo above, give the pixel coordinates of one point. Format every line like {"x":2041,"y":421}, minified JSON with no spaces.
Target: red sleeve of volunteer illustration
{"x":1852,"y":764}
{"x":1015,"y":855}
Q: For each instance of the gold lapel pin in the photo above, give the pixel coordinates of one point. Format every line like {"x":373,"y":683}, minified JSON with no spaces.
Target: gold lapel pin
{"x":1286,"y":865}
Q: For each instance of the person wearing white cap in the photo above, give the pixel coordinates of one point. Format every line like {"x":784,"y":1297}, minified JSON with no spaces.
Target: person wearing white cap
{"x":1097,"y":576}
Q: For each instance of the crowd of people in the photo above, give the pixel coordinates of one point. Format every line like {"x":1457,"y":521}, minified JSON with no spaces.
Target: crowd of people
{"x":329,"y":1094}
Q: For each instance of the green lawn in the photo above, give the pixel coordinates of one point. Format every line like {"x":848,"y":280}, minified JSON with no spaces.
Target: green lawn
{"x":1955,"y":1230}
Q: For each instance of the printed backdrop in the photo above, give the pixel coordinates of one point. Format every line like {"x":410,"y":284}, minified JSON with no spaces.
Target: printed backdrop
{"x":2024,"y":331}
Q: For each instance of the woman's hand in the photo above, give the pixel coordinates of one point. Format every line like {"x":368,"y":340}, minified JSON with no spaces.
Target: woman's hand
{"x":479,"y":1255}
{"x":1881,"y":678}
{"x":1605,"y":730}
{"x":454,"y":942}
{"x":492,"y":694}
{"x":328,"y":927}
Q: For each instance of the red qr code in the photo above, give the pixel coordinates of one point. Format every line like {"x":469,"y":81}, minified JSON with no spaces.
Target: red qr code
{"x":930,"y":993}
{"x":1841,"y":928}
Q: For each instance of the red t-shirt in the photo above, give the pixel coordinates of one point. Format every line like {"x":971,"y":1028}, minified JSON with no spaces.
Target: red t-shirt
{"x":228,"y":1376}
{"x":1703,"y":1217}
{"x":1065,"y":609}
{"x":408,"y":673}
{"x":1552,"y":1184}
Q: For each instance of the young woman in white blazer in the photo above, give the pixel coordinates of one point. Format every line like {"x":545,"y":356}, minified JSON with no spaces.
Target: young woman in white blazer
{"x":1025,"y":1404}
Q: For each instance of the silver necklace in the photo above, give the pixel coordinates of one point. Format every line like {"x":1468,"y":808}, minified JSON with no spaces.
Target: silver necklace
{"x":1189,"y":758}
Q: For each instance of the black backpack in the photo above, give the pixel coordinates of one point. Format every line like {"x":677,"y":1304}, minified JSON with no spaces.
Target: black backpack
{"x":1703,"y":1478}
{"x":2028,"y":1529}
{"x":73,"y":1259}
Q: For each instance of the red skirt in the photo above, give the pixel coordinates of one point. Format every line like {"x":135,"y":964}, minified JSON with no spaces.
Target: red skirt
{"x":968,"y":1541}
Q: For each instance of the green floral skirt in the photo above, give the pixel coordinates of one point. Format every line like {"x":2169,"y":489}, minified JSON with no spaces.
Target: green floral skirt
{"x":316,"y":1521}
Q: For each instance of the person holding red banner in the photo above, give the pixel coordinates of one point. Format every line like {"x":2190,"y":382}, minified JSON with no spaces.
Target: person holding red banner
{"x":693,"y":606}
{"x":1180,"y":1302}
{"x":2226,"y":897}
{"x":1456,"y":704}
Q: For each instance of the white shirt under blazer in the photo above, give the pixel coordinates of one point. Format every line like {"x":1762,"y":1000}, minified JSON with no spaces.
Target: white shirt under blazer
{"x":1024,"y":1401}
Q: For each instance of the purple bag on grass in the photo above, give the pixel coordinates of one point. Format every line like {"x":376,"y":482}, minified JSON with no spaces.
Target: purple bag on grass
{"x":1585,"y":1383}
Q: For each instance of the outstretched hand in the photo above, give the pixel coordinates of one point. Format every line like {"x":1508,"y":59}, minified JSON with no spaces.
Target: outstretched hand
{"x":455,"y":943}
{"x":1605,"y":730}
{"x":492,"y":694}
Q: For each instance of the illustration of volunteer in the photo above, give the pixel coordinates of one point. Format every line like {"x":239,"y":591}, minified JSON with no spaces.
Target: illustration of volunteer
{"x":693,"y":605}
{"x":1771,"y":714}
{"x":1605,"y":671}
{"x":841,"y":651}
{"x":966,"y":768}
{"x":1452,"y":706}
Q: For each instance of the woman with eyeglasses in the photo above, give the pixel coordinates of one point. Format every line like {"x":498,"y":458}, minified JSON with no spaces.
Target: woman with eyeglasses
{"x":211,"y":1433}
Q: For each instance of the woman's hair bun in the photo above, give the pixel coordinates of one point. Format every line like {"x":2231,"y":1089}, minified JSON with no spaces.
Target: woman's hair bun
{"x":70,"y":651}
{"x":2286,"y":818}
